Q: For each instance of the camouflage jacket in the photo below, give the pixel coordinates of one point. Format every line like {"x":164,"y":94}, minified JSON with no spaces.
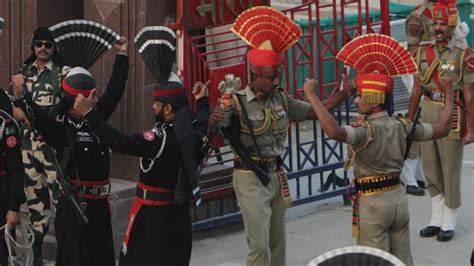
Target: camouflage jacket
{"x":45,"y":87}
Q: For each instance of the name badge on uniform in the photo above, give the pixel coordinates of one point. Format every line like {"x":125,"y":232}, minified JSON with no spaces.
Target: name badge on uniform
{"x":279,"y":111}
{"x":83,"y":136}
{"x":11,"y":130}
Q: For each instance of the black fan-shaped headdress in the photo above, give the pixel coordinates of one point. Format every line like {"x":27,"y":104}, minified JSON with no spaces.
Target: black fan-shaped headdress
{"x":82,"y":42}
{"x":157,"y":46}
{"x":356,"y":256}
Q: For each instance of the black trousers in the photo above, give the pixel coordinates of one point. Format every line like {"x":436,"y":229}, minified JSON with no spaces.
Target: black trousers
{"x":161,"y":235}
{"x":88,"y":246}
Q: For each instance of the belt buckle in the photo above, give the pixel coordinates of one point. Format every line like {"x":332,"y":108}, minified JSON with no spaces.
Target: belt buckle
{"x":107,"y":188}
{"x":436,"y":95}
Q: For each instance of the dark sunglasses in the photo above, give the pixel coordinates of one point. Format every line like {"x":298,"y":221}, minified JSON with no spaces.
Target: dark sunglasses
{"x":47,"y":45}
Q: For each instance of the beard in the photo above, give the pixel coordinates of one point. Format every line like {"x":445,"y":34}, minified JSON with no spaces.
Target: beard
{"x":160,"y":117}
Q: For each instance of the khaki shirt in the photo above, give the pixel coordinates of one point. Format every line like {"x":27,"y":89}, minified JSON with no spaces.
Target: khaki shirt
{"x":453,"y":58}
{"x":270,"y":120}
{"x":382,"y":143}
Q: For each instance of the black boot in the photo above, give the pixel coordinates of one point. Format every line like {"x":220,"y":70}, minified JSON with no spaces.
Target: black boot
{"x":38,"y":251}
{"x":430,"y":231}
{"x":472,"y":257}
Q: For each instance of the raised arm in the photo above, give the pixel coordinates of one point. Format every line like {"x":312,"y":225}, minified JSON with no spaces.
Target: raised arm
{"x":145,"y":145}
{"x":116,"y":86}
{"x":201,"y":117}
{"x":326,"y":120}
{"x":335,"y":100}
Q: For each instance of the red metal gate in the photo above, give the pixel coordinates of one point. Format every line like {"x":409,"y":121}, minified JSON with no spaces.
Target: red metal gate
{"x":312,"y":160}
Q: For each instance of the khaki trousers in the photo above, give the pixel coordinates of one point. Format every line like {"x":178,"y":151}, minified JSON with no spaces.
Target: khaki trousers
{"x":442,"y":160}
{"x":263,"y":213}
{"x":384,"y":223}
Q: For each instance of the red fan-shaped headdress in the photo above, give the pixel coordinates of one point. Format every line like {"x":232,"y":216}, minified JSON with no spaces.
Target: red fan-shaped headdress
{"x":269,"y":32}
{"x":376,"y":58}
{"x":447,"y":11}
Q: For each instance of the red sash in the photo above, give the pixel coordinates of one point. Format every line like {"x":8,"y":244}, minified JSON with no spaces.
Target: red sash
{"x":137,"y":204}
{"x":430,"y":57}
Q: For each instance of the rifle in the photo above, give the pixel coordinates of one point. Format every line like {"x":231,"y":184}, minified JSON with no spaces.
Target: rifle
{"x":81,"y":218}
{"x":237,"y":146}
{"x":411,"y":134}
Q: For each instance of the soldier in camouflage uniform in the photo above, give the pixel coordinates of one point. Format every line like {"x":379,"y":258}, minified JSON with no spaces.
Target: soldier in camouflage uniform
{"x":442,"y":159}
{"x":41,"y":74}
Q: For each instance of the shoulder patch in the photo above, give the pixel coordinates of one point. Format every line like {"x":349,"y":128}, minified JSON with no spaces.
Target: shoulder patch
{"x":149,"y":135}
{"x":11,"y":141}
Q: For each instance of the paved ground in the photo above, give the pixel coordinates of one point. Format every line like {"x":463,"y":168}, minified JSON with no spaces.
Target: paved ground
{"x":314,"y":229}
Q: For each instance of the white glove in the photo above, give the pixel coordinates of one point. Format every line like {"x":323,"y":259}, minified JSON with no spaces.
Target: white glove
{"x":461,"y":30}
{"x":460,"y":33}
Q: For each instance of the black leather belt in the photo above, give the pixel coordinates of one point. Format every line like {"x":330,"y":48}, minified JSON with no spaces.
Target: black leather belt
{"x":91,"y":188}
{"x":439,"y":96}
{"x":94,"y":190}
{"x":272,"y":163}
{"x":371,"y":185}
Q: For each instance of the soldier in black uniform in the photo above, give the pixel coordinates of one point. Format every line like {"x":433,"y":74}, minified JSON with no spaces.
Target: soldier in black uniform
{"x":159,"y":229}
{"x":86,"y":163}
{"x":11,"y":173}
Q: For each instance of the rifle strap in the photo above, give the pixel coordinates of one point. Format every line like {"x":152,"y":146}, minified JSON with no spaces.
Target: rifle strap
{"x":250,"y":126}
{"x":70,"y":148}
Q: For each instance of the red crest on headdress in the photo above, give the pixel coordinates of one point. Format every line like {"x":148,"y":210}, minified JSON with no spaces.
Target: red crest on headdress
{"x":376,"y":58}
{"x":269,"y":32}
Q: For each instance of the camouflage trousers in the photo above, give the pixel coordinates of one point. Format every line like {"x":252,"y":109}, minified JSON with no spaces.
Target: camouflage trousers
{"x":41,"y":186}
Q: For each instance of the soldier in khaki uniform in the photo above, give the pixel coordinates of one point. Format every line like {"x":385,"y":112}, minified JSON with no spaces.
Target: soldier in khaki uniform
{"x":419,"y":30}
{"x":269,"y":111}
{"x":41,"y":74}
{"x":418,"y":25}
{"x":442,"y":159}
{"x":381,"y":217}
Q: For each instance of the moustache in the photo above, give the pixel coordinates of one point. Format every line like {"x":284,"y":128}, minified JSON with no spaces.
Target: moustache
{"x":439,"y":32}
